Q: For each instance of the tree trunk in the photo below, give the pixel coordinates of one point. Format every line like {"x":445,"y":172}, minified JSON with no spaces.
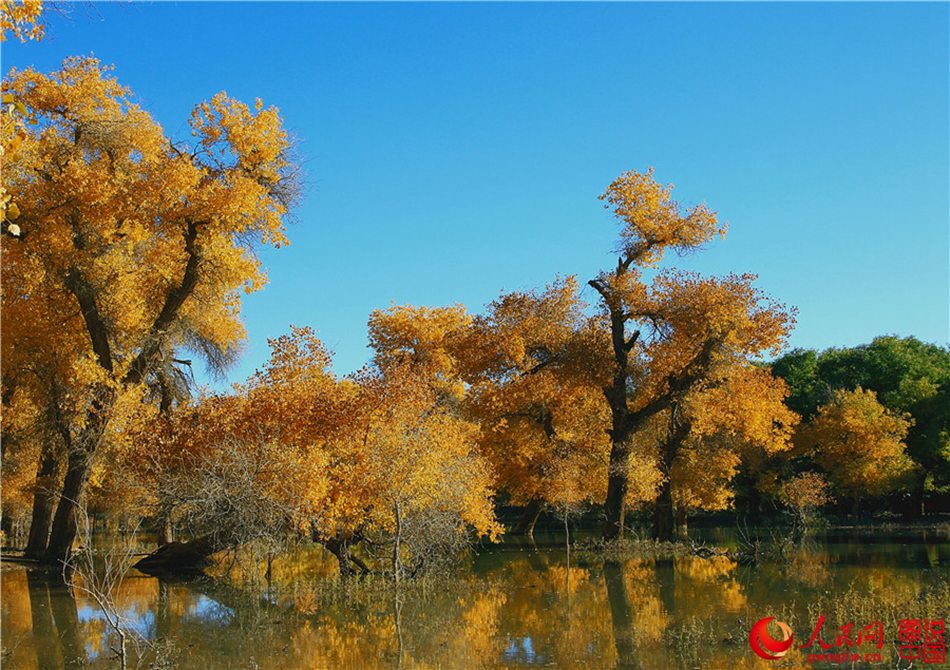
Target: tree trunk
{"x":624,"y":420}
{"x":341,"y":549}
{"x":397,"y":545}
{"x":78,"y":465}
{"x":617,"y":485}
{"x":43,"y":500}
{"x":620,"y":427}
{"x":166,"y":534}
{"x":63,"y":531}
{"x":916,"y":507}
{"x":663,"y":514}
{"x":529,"y":517}
{"x":664,"y":519}
{"x":682,"y":528}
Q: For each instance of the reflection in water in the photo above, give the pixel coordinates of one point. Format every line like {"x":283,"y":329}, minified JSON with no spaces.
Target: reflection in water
{"x":516,"y":605}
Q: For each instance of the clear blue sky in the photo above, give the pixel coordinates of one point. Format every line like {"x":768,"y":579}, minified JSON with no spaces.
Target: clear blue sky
{"x":454,"y":150}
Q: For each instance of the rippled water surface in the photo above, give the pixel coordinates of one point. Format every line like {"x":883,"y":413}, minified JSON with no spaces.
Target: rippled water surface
{"x":514,"y":605}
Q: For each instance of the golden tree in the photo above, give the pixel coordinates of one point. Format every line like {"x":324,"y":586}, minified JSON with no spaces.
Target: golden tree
{"x":422,"y":480}
{"x":859,"y":444}
{"x":804,"y":494}
{"x":250,"y":466}
{"x":527,"y":362}
{"x":131,"y":244}
{"x":296,"y":451}
{"x":665,"y":337}
{"x":736,"y":412}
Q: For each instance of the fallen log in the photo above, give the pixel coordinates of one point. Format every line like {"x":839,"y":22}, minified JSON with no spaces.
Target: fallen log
{"x":179,"y":557}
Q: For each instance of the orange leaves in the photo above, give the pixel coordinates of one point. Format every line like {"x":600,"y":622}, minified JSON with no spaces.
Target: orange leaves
{"x":528,"y":364}
{"x":336,"y":454}
{"x":129,"y":246}
{"x":112,"y":197}
{"x":250,"y":174}
{"x":420,"y":454}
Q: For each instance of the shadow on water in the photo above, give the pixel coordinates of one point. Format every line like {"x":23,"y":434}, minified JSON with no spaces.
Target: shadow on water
{"x":516,"y":604}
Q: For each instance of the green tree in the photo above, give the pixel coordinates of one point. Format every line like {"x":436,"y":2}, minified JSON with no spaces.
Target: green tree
{"x":906,"y":374}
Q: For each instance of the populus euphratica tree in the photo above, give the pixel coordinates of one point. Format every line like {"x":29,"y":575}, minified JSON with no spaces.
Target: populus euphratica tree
{"x":665,"y":336}
{"x":131,"y":244}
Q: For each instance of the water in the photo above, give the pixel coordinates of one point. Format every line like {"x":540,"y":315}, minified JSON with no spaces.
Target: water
{"x":513,"y":605}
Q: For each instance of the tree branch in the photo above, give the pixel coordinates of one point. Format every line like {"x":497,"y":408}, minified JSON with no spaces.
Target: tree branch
{"x":169,"y":312}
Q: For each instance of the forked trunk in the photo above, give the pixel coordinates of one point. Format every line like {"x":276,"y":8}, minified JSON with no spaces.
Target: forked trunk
{"x":43,"y":500}
{"x":529,"y":518}
{"x":63,"y":531}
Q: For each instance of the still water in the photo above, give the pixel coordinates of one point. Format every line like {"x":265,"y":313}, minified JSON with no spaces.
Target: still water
{"x":514,"y":605}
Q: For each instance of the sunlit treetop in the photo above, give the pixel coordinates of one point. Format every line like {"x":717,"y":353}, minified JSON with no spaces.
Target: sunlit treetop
{"x":153,"y":237}
{"x":653,"y":222}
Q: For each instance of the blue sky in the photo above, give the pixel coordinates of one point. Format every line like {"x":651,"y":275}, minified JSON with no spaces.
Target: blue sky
{"x":455,"y":150}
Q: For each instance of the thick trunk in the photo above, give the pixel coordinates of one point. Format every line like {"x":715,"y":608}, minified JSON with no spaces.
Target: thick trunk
{"x":529,"y":518}
{"x":63,"y":531}
{"x":618,"y":471}
{"x":663,"y":515}
{"x":682,"y":523}
{"x":180,"y":557}
{"x":664,"y":519}
{"x":78,"y":464}
{"x":617,"y":485}
{"x":43,"y":501}
{"x":341,"y":549}
{"x":624,"y":420}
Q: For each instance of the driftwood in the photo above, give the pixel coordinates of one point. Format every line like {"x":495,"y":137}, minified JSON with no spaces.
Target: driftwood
{"x":703,"y":551}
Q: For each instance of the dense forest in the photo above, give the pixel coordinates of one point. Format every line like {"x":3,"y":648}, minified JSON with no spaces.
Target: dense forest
{"x":644,"y":389}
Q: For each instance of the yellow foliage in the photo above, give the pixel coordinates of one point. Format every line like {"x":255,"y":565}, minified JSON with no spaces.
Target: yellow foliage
{"x":128,"y":246}
{"x":652,"y":221}
{"x":859,"y":443}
